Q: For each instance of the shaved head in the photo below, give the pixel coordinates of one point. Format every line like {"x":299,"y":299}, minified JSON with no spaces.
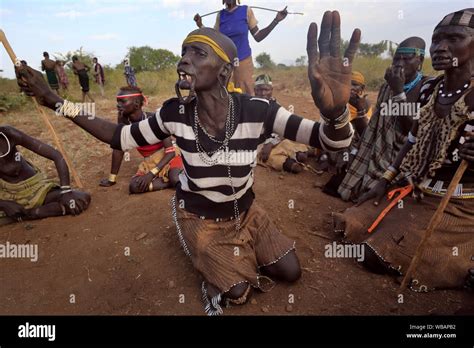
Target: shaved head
{"x":414,"y":41}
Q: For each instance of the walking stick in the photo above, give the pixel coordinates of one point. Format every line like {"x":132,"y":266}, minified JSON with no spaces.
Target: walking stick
{"x":434,"y":222}
{"x":272,"y":10}
{"x":52,"y":131}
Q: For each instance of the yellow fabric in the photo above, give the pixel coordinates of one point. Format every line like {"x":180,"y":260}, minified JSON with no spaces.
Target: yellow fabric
{"x":29,"y":193}
{"x":280,"y":153}
{"x":358,"y":77}
{"x":152,"y":161}
{"x":353,"y":112}
{"x":208,"y":41}
{"x":231,"y":88}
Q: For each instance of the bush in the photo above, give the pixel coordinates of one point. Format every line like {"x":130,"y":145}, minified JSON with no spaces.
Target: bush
{"x":9,"y":102}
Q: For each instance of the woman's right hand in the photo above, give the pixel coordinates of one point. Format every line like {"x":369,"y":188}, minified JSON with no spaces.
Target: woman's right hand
{"x":33,"y":84}
{"x":13,"y":210}
{"x":377,"y":192}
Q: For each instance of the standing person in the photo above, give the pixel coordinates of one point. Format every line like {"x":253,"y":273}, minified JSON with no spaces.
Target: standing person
{"x":49,"y":66}
{"x":81,"y":69}
{"x":99,"y":75}
{"x":161,"y":165}
{"x":129,"y":73}
{"x":236,"y":21}
{"x":218,"y":133}
{"x":63,"y":79}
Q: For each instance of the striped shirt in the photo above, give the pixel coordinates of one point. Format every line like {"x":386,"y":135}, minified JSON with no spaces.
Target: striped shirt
{"x":205,"y":189}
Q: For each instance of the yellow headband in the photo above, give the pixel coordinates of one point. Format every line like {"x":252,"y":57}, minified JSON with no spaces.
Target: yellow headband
{"x":208,"y":41}
{"x":358,"y":77}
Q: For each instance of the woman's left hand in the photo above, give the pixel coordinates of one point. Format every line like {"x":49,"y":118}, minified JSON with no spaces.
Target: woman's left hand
{"x":282,"y":14}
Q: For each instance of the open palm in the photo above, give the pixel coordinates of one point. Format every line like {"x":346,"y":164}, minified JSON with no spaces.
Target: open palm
{"x":329,"y":73}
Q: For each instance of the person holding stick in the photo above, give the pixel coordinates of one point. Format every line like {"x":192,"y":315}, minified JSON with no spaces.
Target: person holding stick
{"x":230,"y":239}
{"x":441,"y":136}
{"x":25,"y":192}
{"x":235,"y":21}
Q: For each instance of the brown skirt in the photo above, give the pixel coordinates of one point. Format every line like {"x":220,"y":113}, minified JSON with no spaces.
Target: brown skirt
{"x":448,"y":253}
{"x":225,"y":257}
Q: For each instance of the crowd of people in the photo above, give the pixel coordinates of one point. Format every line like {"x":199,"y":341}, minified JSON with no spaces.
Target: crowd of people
{"x":205,"y":144}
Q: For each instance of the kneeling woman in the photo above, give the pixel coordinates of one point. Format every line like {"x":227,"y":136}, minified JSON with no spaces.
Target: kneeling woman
{"x":25,"y":192}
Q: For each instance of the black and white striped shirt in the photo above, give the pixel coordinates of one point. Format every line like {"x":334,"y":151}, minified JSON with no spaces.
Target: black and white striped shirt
{"x":205,"y":189}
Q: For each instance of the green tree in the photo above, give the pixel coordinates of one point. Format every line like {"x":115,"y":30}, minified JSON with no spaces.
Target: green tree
{"x":372,"y":50}
{"x":264,"y":61}
{"x":145,"y":58}
{"x":301,"y":61}
{"x":84,"y":56}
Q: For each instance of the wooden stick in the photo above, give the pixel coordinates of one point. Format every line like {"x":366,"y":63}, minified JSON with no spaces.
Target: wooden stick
{"x":208,"y":14}
{"x":434,"y":222}
{"x":260,"y":8}
{"x":272,"y":10}
{"x":58,"y":143}
{"x":56,"y":139}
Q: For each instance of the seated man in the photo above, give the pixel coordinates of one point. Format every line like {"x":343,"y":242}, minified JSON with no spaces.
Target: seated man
{"x":26,"y":193}
{"x":277,"y":153}
{"x":438,"y":140}
{"x":386,"y":132}
{"x":161,"y":166}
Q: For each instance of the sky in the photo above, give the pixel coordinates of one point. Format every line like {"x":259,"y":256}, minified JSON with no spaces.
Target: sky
{"x":107,"y":28}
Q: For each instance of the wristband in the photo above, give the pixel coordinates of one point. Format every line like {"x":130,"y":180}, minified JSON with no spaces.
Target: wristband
{"x":69,"y":109}
{"x":155,"y":171}
{"x":170,"y":149}
{"x":411,"y":138}
{"x":340,"y":121}
{"x":400,"y":97}
{"x":389,"y":175}
{"x":65,"y":191}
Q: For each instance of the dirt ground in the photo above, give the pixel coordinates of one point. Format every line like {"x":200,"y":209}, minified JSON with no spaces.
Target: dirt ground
{"x":85,"y":256}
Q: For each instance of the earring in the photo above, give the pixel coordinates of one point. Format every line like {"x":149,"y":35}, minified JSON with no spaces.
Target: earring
{"x":226,"y":95}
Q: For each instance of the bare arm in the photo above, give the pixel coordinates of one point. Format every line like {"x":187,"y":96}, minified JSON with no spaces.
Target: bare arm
{"x":121,"y":137}
{"x":42,"y":149}
{"x":259,"y":35}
